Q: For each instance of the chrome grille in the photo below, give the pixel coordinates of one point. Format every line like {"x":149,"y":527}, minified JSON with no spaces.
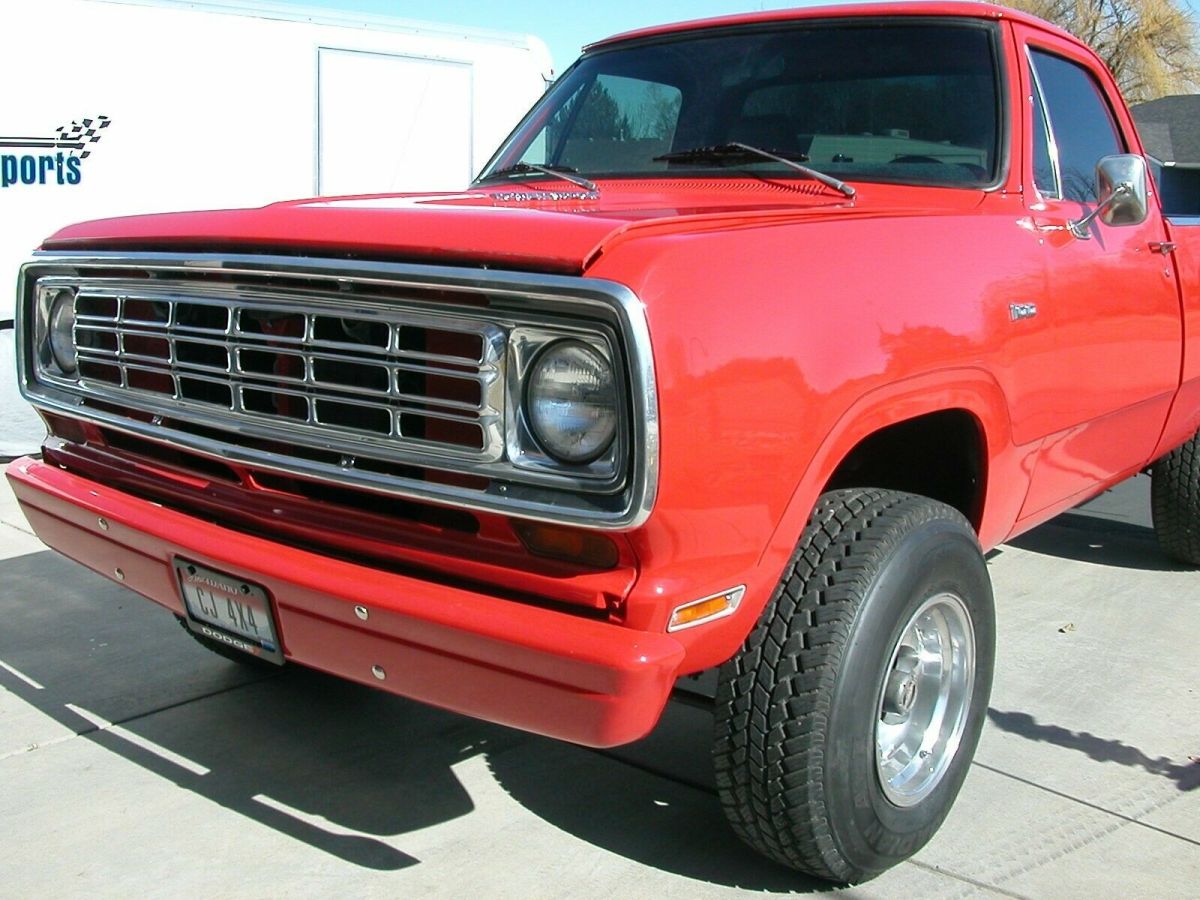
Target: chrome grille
{"x":400,"y":379}
{"x":392,"y":376}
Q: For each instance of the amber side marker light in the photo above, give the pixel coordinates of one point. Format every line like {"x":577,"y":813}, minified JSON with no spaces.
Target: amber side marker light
{"x":706,"y":610}
{"x":568,"y":544}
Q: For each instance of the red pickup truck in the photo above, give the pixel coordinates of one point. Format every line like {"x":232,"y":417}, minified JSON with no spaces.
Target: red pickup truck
{"x":749,"y":341}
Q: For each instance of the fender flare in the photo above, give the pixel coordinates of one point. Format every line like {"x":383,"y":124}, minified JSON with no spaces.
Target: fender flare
{"x":971,"y":389}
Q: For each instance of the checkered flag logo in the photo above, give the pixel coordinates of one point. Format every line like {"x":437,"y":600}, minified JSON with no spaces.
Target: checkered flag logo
{"x":82,"y":134}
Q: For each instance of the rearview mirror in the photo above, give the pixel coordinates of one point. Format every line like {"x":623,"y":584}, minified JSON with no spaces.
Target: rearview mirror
{"x":1121,"y":194}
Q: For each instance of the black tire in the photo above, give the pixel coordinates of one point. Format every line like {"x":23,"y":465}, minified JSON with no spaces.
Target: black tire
{"x":1175,"y":502}
{"x":798,"y":707}
{"x":230,"y":653}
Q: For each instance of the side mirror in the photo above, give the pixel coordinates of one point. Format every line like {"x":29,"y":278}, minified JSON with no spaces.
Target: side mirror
{"x":1121,"y":192}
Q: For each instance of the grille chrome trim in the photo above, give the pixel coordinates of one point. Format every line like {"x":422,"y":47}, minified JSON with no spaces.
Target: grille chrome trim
{"x":595,"y":309}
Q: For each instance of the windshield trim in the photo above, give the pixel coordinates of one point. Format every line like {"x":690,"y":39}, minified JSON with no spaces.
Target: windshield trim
{"x":999,"y":73}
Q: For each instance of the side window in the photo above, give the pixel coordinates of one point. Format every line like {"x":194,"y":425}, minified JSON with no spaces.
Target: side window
{"x":1081,"y":124}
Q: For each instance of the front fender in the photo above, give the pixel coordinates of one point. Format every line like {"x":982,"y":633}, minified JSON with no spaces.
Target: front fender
{"x":772,"y":365}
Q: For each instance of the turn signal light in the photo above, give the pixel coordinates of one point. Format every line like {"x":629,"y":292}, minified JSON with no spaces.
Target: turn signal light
{"x":568,"y":544}
{"x":700,"y":611}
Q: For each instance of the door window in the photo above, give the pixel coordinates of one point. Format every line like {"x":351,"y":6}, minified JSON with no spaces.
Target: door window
{"x":1081,"y":126}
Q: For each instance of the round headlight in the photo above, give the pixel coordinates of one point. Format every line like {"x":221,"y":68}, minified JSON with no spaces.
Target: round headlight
{"x":62,"y":331}
{"x":571,"y":402}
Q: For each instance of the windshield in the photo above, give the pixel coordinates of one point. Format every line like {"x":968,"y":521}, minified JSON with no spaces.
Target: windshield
{"x":899,"y":102}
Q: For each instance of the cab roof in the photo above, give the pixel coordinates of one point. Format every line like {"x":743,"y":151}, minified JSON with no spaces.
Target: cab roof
{"x":944,"y":9}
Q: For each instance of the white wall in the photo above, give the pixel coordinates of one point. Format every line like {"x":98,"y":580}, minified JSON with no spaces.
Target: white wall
{"x":213,"y":110}
{"x":208,"y":110}
{"x":422,"y":141}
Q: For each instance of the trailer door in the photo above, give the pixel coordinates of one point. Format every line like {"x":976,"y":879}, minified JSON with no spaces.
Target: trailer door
{"x":389,"y":123}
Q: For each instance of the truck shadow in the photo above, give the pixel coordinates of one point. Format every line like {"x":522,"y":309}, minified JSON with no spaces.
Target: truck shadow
{"x":297,"y":752}
{"x":652,"y":802}
{"x":309,"y":756}
{"x":345,"y":769}
{"x":1185,"y":776}
{"x":1084,"y":538}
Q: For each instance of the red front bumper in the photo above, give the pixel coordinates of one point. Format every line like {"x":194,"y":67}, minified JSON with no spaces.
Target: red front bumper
{"x":547,"y":672}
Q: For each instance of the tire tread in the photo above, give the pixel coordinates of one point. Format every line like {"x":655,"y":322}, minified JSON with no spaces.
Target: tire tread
{"x":773,"y":699}
{"x":1175,"y":502}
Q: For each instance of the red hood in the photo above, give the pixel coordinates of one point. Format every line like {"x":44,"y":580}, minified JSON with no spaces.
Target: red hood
{"x":511,"y":227}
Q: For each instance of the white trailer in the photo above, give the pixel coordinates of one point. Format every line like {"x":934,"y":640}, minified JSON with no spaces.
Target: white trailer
{"x":120,"y":107}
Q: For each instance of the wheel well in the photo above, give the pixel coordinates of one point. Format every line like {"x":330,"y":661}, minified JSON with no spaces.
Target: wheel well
{"x":938,"y":455}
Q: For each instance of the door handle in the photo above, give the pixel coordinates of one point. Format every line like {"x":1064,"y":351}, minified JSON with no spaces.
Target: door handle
{"x":1163,"y":247}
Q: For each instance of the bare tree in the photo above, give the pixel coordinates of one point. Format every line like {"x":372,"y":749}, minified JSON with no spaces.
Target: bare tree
{"x":1150,"y":45}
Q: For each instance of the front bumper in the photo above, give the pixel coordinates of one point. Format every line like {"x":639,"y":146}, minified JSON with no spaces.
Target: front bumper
{"x":543,"y":671}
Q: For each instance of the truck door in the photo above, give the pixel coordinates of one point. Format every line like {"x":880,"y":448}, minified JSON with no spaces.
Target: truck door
{"x":1108,"y":321}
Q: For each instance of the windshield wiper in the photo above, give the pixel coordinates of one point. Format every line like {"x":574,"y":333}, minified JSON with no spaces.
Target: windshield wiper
{"x":563,"y":173}
{"x":737,"y":150}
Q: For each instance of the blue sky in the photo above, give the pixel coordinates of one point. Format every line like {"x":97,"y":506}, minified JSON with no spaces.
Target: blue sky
{"x":565,"y":27}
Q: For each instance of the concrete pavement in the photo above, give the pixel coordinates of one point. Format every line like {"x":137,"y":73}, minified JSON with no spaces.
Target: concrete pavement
{"x":133,"y":761}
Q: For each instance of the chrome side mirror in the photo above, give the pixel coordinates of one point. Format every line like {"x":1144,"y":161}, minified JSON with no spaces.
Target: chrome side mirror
{"x":1121,"y":193}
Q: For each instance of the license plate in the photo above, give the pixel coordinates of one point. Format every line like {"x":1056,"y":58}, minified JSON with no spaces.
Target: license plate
{"x":228,"y":609}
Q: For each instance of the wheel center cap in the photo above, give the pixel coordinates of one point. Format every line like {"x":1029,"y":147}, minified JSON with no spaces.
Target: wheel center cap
{"x":901,"y":694}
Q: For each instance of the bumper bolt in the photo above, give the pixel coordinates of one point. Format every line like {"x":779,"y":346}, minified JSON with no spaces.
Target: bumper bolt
{"x":378,"y":672}
{"x":362,"y":612}
{"x":120,"y":575}
{"x":103,"y":523}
